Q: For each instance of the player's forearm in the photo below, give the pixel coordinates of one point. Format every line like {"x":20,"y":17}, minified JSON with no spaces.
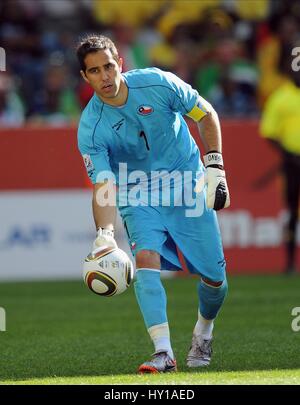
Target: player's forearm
{"x":217,"y":193}
{"x":104,"y":216}
{"x":210,"y":132}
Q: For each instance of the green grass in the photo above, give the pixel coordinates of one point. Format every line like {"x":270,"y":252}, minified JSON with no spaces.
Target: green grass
{"x":60,"y":333}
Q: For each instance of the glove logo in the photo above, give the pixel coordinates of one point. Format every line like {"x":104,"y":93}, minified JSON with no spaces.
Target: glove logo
{"x":221,"y":195}
{"x":214,"y":158}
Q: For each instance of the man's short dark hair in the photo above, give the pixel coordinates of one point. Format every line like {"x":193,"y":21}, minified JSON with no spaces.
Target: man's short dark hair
{"x":93,"y":43}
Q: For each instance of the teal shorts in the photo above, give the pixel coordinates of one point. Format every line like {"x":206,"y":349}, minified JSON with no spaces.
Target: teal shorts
{"x":164,"y":229}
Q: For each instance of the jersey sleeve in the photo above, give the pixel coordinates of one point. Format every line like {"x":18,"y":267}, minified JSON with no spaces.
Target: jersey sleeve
{"x":95,"y":158}
{"x":185,"y":99}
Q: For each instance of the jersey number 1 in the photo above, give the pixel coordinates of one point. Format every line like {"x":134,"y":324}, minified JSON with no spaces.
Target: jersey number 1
{"x":143,"y":135}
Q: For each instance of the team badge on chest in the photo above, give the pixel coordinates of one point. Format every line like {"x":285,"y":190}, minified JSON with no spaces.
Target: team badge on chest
{"x":145,"y":110}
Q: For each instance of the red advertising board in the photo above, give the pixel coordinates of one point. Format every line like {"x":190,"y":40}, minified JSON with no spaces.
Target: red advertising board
{"x":47,"y":158}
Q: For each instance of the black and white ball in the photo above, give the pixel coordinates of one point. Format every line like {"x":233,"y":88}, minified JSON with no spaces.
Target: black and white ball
{"x":108,"y":271}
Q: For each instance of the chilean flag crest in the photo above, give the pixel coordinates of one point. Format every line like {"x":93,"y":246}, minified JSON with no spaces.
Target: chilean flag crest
{"x":145,"y":109}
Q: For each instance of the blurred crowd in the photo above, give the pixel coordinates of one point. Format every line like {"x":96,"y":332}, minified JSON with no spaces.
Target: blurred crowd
{"x":231,"y":51}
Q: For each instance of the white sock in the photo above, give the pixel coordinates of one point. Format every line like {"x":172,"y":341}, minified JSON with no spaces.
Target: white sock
{"x":204,"y":327}
{"x":160,"y":335}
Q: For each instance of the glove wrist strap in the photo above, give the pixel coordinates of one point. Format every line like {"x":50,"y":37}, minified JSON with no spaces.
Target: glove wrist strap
{"x":213,"y":159}
{"x":105,"y":232}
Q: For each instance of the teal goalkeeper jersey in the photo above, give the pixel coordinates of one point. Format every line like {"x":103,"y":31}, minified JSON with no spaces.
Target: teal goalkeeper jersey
{"x":147,"y":134}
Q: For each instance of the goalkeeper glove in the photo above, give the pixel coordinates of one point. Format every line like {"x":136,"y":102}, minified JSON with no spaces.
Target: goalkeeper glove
{"x":105,"y":237}
{"x":217,"y":191}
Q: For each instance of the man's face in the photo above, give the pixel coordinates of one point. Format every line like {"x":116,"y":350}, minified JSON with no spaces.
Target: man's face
{"x":103,"y":73}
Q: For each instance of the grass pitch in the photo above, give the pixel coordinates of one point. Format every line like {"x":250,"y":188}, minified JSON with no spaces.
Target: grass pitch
{"x":61,"y":333}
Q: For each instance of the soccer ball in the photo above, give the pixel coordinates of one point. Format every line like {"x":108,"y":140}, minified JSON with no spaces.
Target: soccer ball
{"x":107,"y":271}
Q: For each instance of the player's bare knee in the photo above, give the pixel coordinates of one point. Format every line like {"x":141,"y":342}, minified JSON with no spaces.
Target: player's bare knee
{"x":147,"y":259}
{"x":212,"y":283}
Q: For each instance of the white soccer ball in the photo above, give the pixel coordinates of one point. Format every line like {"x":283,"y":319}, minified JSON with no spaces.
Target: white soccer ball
{"x":108,"y":271}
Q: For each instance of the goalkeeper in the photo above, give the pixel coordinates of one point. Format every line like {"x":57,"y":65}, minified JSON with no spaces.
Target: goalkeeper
{"x":135,"y":121}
